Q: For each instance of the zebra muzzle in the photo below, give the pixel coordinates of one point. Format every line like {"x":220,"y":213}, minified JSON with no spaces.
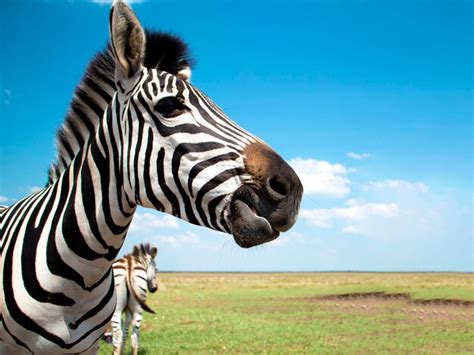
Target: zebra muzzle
{"x":269,"y":203}
{"x":252,"y":218}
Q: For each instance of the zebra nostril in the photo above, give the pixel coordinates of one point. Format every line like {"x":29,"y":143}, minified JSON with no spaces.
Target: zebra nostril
{"x":277,"y":186}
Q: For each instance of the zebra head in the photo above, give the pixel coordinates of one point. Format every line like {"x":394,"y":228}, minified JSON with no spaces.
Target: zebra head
{"x":182,"y":155}
{"x":147,"y":255}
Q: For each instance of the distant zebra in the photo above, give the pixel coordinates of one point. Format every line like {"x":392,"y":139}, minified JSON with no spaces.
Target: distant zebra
{"x":134,"y":274}
{"x":155,"y":141}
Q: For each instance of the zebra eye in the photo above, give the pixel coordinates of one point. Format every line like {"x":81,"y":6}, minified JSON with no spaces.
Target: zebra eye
{"x":171,"y":106}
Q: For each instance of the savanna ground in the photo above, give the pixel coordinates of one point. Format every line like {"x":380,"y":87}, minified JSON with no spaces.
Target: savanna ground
{"x":309,"y":313}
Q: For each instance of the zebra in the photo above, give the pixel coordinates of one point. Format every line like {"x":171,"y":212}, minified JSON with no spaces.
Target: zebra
{"x":134,"y":274}
{"x":160,"y":143}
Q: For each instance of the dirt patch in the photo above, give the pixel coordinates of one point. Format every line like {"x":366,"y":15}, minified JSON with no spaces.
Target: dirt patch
{"x":391,"y":304}
{"x":394,"y":296}
{"x":444,"y":301}
{"x":363,"y":295}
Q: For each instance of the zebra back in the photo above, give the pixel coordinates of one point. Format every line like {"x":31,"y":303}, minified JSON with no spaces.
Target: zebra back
{"x":130,"y":270}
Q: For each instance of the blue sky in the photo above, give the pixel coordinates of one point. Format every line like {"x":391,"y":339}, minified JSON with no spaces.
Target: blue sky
{"x":370,"y":101}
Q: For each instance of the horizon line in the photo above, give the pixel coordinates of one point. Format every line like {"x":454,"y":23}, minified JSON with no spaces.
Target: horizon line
{"x":314,"y":272}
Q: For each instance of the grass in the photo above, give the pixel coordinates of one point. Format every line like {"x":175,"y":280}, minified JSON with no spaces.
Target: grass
{"x":282,"y":313}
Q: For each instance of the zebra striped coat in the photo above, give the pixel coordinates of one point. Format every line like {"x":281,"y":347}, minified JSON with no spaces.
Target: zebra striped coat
{"x":134,"y":274}
{"x":139,"y":136}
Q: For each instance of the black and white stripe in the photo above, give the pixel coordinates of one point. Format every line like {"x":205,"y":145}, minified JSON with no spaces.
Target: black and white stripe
{"x":135,"y":135}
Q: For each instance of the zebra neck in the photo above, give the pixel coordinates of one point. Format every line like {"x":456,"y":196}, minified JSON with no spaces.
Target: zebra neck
{"x":98,"y":211}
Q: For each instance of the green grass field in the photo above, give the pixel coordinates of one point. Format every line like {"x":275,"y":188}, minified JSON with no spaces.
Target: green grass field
{"x":289,"y":313}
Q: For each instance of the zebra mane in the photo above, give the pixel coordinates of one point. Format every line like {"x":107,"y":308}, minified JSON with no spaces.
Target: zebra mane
{"x":95,"y":90}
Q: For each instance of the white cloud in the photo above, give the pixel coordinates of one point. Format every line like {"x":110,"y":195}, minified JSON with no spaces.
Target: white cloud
{"x":354,"y":201}
{"x":354,"y":212}
{"x":350,"y":230}
{"x":321,"y":178}
{"x":287,"y":238}
{"x":7,"y":93}
{"x":397,"y":185}
{"x":180,"y":240}
{"x":4,"y":199}
{"x":358,"y":156}
{"x":391,"y":209}
{"x":28,"y":189}
{"x":109,"y":2}
{"x":148,"y":222}
{"x":423,"y":213}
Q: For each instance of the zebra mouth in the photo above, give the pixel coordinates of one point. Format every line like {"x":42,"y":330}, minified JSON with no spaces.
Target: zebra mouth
{"x":249,"y":224}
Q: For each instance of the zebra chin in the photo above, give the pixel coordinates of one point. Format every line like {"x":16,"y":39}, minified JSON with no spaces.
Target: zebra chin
{"x":254,"y":220}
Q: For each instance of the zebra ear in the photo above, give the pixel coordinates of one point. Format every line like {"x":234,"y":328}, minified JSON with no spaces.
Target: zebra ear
{"x":127,"y":39}
{"x":153,"y":252}
{"x":184,"y":70}
{"x":135,"y":251}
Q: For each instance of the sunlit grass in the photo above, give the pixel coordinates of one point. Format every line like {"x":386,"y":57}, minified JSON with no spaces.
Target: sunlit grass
{"x":278,"y":313}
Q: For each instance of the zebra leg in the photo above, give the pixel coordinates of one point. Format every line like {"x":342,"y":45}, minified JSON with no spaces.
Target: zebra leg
{"x":122,"y":299}
{"x":137,"y":319}
{"x":117,"y":332}
{"x":126,"y":325}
